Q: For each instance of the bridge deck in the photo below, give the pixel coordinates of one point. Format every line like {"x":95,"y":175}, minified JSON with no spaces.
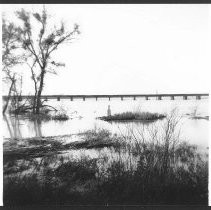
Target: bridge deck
{"x":134,"y":96}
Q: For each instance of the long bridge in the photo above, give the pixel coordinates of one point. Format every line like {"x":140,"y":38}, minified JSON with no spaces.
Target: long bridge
{"x":185,"y":96}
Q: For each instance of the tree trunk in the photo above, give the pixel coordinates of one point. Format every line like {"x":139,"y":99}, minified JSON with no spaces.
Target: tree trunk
{"x":35,"y":90}
{"x":8,"y":97}
{"x":34,"y":103}
{"x":38,"y":101}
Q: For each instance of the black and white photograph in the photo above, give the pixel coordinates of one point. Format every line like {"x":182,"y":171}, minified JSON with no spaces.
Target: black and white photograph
{"x":105,"y":104}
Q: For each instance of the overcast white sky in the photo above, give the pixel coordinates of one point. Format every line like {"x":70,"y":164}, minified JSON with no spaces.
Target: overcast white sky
{"x":130,"y":49}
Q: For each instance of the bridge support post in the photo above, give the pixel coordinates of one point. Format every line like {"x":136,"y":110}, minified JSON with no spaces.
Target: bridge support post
{"x":58,"y":98}
{"x":147,"y":98}
{"x":83,"y":98}
{"x":96,"y":98}
{"x":172,"y":97}
{"x":109,"y":98}
{"x":134,"y":98}
{"x":122,"y":98}
{"x":198,"y":97}
{"x":159,"y":98}
{"x":71,"y":98}
{"x":185,"y":97}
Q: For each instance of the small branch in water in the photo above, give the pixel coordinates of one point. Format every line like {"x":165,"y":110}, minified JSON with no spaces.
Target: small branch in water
{"x":50,"y":107}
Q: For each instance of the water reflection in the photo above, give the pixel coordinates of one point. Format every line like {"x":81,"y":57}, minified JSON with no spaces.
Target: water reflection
{"x":37,"y":128}
{"x":13,"y":126}
{"x":16,"y":123}
{"x":194,"y":130}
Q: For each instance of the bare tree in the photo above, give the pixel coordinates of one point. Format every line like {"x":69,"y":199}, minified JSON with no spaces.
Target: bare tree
{"x":41,"y":48}
{"x":10,"y":44}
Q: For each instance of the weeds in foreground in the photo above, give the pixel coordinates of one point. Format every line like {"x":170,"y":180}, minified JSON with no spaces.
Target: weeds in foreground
{"x":167,"y":171}
{"x":81,"y":182}
{"x":99,"y":138}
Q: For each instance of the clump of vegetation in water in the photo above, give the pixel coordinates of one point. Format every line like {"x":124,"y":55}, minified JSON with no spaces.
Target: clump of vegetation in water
{"x":131,"y":116}
{"x":60,"y":117}
{"x":196,"y":116}
{"x":40,"y":117}
{"x":46,"y":116}
{"x":25,"y":107}
{"x":201,"y":117}
{"x":47,"y":112}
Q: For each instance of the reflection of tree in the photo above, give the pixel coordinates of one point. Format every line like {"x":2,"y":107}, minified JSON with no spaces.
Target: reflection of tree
{"x":37,"y":128}
{"x":8,"y":126}
{"x":16,"y":127}
{"x":13,"y":125}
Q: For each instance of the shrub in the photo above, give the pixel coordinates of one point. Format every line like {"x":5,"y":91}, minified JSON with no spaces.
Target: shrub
{"x":60,"y":117}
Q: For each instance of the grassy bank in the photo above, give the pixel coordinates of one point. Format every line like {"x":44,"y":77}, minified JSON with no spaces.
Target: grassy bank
{"x":82,"y":182}
{"x":55,"y":180}
{"x":133,"y":116}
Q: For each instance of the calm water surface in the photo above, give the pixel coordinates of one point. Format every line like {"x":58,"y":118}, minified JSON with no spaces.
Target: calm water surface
{"x":84,"y":113}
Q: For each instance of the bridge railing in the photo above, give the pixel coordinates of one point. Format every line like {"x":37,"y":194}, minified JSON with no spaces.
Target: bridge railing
{"x":197,"y":96}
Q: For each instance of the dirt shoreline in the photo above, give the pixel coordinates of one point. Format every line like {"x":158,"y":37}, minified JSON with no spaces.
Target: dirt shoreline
{"x":44,"y":146}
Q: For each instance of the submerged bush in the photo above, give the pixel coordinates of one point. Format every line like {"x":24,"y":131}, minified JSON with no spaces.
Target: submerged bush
{"x":38,"y":117}
{"x":46,"y":116}
{"x":60,"y":116}
{"x":145,"y":116}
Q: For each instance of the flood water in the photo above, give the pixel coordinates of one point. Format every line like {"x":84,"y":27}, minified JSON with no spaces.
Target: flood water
{"x":84,"y":113}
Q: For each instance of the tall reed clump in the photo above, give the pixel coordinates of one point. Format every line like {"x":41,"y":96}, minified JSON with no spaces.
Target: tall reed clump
{"x":168,"y":171}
